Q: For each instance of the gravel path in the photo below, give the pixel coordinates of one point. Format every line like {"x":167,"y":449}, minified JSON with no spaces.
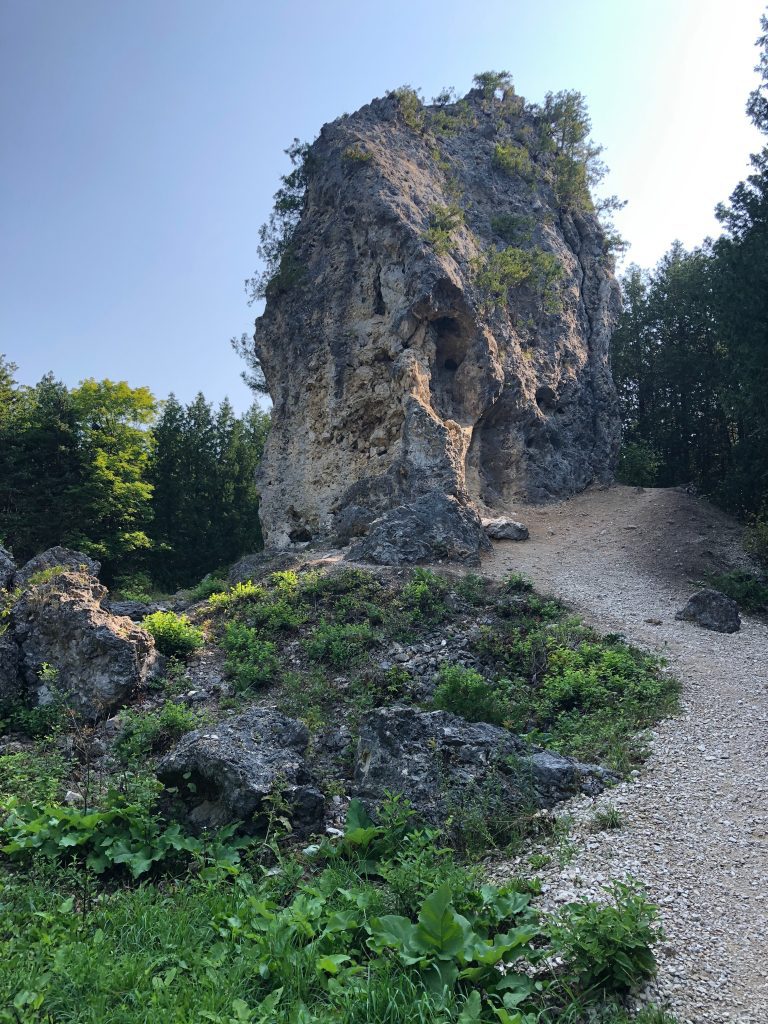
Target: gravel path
{"x":696,"y":817}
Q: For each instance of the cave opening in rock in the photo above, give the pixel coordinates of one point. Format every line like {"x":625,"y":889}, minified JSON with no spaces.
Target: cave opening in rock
{"x":451,"y":346}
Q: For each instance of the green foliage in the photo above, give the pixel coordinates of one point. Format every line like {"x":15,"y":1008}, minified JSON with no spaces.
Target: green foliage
{"x":356,"y":154}
{"x":746,"y":588}
{"x":443,"y":222}
{"x":275,"y":237}
{"x":639,"y":464}
{"x":493,"y":82}
{"x":609,"y":947}
{"x":512,"y":160}
{"x":31,"y":776}
{"x":340,"y":644}
{"x":240,"y":593}
{"x":473,"y":589}
{"x":517,"y":583}
{"x":464,"y":692}
{"x":251,"y":661}
{"x":48,"y":575}
{"x":207,"y":587}
{"x":136,"y":586}
{"x":424,"y":596}
{"x":144,"y":733}
{"x":411,"y":108}
{"x":607,"y":820}
{"x":514,"y":229}
{"x":174,"y":634}
{"x":499,"y":270}
{"x":121,"y":835}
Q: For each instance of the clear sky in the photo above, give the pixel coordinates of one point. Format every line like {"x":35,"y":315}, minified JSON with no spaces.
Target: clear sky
{"x":142,"y":142}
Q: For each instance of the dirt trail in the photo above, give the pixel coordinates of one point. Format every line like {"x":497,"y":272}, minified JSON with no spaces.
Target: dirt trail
{"x":696,"y":832}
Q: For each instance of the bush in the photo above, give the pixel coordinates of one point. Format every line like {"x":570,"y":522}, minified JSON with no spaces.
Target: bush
{"x":136,"y":587}
{"x":251,"y":661}
{"x":746,"y":588}
{"x":512,"y":160}
{"x":410,"y":106}
{"x":340,"y":644}
{"x":239,"y":594}
{"x":145,"y":733}
{"x":205,"y":588}
{"x":608,"y":947}
{"x":424,"y":595}
{"x":500,"y":270}
{"x":443,"y":222}
{"x":175,"y":636}
{"x":639,"y":464}
{"x":464,"y":692}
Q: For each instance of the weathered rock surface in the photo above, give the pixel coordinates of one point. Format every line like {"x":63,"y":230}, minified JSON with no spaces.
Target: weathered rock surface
{"x":441,"y":762}
{"x":10,"y":679}
{"x":54,"y":558}
{"x":7,"y":568}
{"x":393,"y":369}
{"x":505,"y":529}
{"x":235,"y":765}
{"x":436,"y":526}
{"x":99,"y":658}
{"x":712,"y":610}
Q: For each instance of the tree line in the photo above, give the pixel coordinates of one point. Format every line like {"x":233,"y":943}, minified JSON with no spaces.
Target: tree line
{"x":160,"y":492}
{"x":690,"y":356}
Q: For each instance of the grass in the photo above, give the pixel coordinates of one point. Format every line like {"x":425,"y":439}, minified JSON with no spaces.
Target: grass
{"x":286,"y":937}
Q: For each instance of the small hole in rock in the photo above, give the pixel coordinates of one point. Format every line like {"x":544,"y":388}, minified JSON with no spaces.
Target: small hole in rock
{"x":451,"y":364}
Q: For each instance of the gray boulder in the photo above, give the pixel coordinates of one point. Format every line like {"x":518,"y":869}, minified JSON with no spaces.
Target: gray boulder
{"x":505,"y":529}
{"x":98,"y":659}
{"x":7,"y":568}
{"x":56,"y":557}
{"x":235,"y":765}
{"x":440,"y":762}
{"x":712,"y":610}
{"x":435,"y":526}
{"x":135,"y":610}
{"x":10,"y":680}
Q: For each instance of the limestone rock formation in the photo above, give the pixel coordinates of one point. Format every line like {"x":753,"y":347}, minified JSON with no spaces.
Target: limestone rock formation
{"x":440,"y":321}
{"x":57,"y":558}
{"x":441,"y":762}
{"x":235,"y":765}
{"x":99,"y":659}
{"x":7,"y":568}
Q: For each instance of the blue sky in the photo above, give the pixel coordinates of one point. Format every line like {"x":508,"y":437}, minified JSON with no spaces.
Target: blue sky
{"x":142,"y":142}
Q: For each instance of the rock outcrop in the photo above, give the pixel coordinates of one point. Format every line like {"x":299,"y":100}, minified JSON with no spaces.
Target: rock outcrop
{"x":440,"y":321}
{"x":225,"y":772}
{"x":96,"y":660}
{"x":7,"y":568}
{"x":443,"y":763}
{"x":54,"y":559}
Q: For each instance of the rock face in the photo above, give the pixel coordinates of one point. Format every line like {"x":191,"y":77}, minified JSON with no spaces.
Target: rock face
{"x":57,"y":557}
{"x":432,"y":527}
{"x":441,"y":762}
{"x":397,"y":365}
{"x":235,"y":765}
{"x":98,"y":658}
{"x":712,"y":610}
{"x":7,"y":568}
{"x":10,"y":680}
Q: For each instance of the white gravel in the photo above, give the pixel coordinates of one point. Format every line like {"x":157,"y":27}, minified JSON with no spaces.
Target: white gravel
{"x":696,"y":817}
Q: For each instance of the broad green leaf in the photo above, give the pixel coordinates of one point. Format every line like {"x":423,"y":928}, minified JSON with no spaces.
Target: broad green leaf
{"x":440,"y":929}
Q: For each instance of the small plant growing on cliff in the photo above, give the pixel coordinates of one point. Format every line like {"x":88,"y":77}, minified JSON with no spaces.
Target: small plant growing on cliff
{"x":500,"y":270}
{"x":443,"y":222}
{"x":147,"y":733}
{"x":356,"y":154}
{"x":424,"y":595}
{"x":410,"y":104}
{"x":240,"y":593}
{"x":512,"y":160}
{"x":493,"y":83}
{"x":340,"y":644}
{"x":281,"y":268}
{"x":175,"y":636}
